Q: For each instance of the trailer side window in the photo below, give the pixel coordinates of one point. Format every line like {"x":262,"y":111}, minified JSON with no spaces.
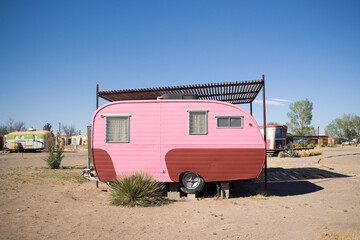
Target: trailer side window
{"x":233,"y":121}
{"x":198,"y":122}
{"x":117,"y":129}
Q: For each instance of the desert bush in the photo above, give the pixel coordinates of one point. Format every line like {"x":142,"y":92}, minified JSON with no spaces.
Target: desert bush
{"x":138,"y":189}
{"x":311,"y":145}
{"x":291,"y":153}
{"x":308,"y":153}
{"x":55,"y":151}
{"x":282,"y":155}
{"x":316,"y":152}
{"x":304,"y":153}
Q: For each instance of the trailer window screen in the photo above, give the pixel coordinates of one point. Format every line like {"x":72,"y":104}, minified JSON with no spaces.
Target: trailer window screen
{"x":197,"y":122}
{"x":118,"y":129}
{"x":230,"y":121}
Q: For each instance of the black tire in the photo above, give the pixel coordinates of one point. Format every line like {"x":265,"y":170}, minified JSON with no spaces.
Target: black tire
{"x":191,"y":183}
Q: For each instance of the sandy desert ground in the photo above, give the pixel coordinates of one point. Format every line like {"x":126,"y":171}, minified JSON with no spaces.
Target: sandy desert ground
{"x":307,"y":198}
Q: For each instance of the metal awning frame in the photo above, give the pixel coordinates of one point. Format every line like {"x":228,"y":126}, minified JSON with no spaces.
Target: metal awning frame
{"x":233,"y":92}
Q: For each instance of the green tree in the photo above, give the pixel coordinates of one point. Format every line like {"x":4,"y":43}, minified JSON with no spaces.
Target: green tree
{"x":347,"y":127}
{"x":300,"y":116}
{"x":47,"y":127}
{"x":55,"y":150}
{"x":357,"y":127}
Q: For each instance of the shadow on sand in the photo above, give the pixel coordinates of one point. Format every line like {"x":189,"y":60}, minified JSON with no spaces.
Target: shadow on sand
{"x":281,"y":182}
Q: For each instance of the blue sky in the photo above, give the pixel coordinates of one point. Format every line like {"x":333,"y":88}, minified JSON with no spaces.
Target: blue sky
{"x":53,"y":53}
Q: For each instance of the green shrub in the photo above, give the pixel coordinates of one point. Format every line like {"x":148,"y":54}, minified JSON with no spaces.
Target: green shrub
{"x":294,"y":154}
{"x":311,"y":145}
{"x":55,"y":151}
{"x":138,"y":189}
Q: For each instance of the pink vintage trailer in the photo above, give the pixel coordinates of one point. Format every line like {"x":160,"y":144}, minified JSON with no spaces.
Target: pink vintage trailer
{"x":189,"y":141}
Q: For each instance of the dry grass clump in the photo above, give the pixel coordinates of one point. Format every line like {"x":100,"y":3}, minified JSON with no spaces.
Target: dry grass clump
{"x":62,"y":175}
{"x":259,"y":197}
{"x":40,"y":176}
{"x":336,"y":236}
{"x":309,"y":153}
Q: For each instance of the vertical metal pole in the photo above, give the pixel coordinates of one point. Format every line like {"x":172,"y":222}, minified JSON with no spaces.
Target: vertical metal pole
{"x":264,"y":118}
{"x":318,"y":131}
{"x":251,"y":108}
{"x":97,"y":96}
{"x":90,"y":161}
{"x":97,"y":106}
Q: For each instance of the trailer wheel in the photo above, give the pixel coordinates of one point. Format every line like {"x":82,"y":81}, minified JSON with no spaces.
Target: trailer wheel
{"x":191,"y":183}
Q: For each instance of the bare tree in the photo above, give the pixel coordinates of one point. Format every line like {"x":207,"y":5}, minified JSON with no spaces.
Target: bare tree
{"x":12,"y":126}
{"x":19,"y":126}
{"x":273,"y":123}
{"x":3,"y":130}
{"x":69,"y":130}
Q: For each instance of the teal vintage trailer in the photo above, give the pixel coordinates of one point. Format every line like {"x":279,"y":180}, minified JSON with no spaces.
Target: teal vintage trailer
{"x":28,"y":140}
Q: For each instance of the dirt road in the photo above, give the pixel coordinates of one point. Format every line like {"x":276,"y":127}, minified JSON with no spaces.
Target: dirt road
{"x":307,"y":198}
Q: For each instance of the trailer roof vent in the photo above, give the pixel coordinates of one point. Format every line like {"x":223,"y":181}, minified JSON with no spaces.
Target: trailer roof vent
{"x":180,"y":96}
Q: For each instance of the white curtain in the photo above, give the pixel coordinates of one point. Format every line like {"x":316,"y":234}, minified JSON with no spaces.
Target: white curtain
{"x":117,"y":129}
{"x":197,"y":123}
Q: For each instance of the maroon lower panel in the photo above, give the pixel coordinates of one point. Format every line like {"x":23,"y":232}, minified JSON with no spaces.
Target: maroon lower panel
{"x":103,"y":165}
{"x":221,"y":164}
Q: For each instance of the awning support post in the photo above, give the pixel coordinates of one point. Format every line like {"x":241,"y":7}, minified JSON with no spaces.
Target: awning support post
{"x":97,"y":96}
{"x":264,"y":119}
{"x":251,"y":108}
{"x":97,"y":106}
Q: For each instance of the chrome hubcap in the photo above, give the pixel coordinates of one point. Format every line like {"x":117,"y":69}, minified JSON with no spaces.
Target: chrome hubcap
{"x":191,"y":180}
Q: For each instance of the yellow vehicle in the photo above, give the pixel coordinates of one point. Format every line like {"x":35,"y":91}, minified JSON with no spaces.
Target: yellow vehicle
{"x":295,"y":146}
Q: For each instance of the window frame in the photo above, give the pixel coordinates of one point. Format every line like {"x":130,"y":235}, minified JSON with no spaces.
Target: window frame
{"x":205,"y":111}
{"x":239,"y":116}
{"x":117,"y":116}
